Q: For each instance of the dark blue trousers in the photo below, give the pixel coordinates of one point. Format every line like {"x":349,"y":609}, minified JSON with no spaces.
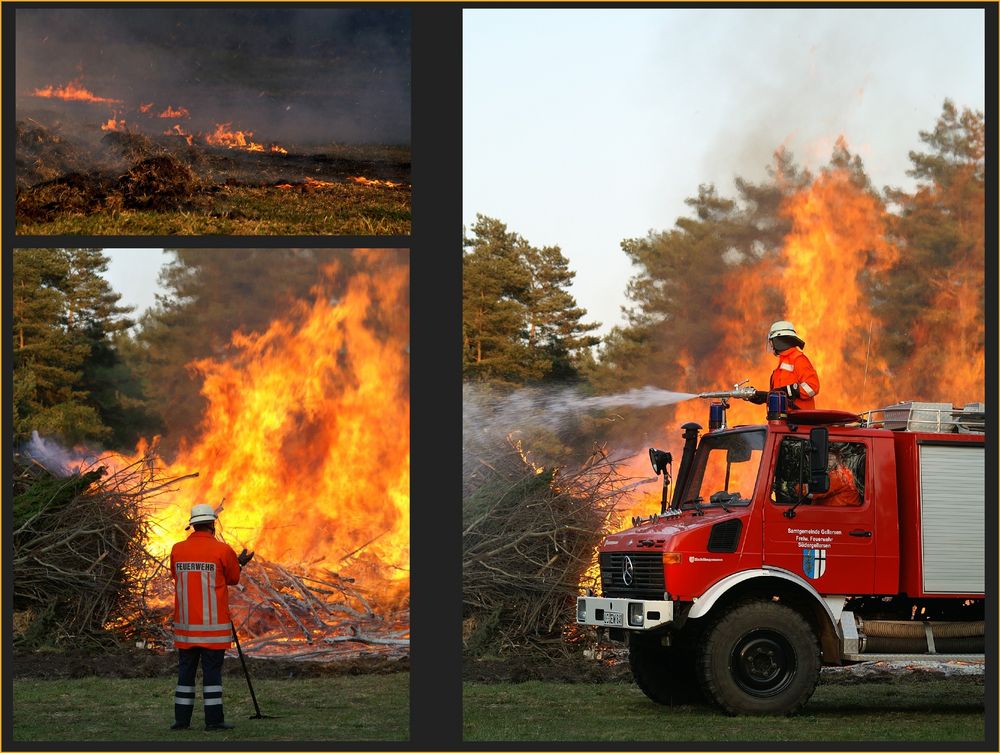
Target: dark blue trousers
{"x":211,"y":678}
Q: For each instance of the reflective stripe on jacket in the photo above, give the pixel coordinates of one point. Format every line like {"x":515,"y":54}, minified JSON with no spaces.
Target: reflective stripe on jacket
{"x":202,"y":568}
{"x":794,"y":367}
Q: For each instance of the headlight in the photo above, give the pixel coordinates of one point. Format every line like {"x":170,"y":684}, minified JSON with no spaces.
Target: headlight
{"x":635,"y":615}
{"x":581,"y":610}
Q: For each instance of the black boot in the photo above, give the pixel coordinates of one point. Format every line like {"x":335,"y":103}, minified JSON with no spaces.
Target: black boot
{"x":218,"y":726}
{"x":180,"y":725}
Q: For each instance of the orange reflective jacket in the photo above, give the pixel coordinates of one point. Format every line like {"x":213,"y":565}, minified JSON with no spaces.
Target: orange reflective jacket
{"x":794,"y":368}
{"x":843,"y":492}
{"x":202,"y":568}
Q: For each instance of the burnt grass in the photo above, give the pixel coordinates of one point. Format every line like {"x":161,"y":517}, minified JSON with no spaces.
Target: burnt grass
{"x":143,"y":663}
{"x":133,"y":184}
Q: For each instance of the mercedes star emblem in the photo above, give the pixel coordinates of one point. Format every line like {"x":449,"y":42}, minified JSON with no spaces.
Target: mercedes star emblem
{"x":628,"y":571}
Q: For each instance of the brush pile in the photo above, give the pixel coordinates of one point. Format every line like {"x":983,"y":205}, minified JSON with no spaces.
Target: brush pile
{"x":83,"y":575}
{"x":79,"y":546}
{"x":529,"y":544}
{"x":289,"y":612}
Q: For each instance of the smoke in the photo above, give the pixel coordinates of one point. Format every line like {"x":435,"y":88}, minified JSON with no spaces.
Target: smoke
{"x":560,"y":415}
{"x":51,"y":455}
{"x":314,"y":76}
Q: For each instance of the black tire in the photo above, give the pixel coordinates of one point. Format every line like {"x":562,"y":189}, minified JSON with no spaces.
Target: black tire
{"x":666,"y":674}
{"x":760,"y":657}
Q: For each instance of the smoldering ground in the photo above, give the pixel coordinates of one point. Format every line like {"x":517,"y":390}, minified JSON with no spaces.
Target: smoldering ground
{"x":304,"y":76}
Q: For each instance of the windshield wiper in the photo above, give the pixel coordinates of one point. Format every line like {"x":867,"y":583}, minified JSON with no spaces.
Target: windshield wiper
{"x":697,"y":502}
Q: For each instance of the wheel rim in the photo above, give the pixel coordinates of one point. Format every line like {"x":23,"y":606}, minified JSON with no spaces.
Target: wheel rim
{"x":763,"y":663}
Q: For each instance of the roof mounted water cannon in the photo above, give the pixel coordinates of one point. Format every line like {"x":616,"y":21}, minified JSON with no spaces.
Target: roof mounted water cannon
{"x":717,"y":410}
{"x":739,"y":391}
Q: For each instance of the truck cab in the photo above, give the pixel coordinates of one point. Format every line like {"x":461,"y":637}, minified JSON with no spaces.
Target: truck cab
{"x":787,"y":545}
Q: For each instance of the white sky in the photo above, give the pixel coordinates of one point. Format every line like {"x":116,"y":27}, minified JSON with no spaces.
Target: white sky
{"x":585,"y":127}
{"x":133,"y":273}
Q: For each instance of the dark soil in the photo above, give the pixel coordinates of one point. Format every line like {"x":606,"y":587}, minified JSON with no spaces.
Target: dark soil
{"x":141,"y":663}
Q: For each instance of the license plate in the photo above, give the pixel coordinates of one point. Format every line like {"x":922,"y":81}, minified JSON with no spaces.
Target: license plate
{"x":613,"y":618}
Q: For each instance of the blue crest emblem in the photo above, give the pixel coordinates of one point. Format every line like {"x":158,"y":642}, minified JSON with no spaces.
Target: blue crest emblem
{"x":814,"y":562}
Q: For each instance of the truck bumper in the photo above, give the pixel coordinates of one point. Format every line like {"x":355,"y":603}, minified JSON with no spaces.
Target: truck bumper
{"x":630,"y":614}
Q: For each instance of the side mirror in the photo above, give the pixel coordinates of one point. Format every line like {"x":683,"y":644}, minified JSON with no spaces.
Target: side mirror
{"x":819,"y":451}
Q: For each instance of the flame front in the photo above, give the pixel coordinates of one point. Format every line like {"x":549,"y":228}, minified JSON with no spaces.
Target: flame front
{"x":73,"y":91}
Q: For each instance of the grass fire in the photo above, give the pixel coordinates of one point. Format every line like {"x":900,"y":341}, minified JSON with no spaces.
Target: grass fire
{"x":300,"y":443}
{"x":307,"y":95}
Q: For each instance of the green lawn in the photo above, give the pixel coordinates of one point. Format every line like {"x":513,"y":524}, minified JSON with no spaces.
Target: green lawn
{"x":348,"y":708}
{"x":932,"y":710}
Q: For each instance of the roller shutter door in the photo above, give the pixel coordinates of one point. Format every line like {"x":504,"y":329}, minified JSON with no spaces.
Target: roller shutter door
{"x":953,"y":518}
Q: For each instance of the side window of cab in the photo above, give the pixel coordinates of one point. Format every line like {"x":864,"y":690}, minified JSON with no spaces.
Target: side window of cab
{"x":846,"y":466}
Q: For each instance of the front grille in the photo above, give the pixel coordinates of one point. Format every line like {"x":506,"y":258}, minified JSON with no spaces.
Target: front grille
{"x":647,"y":575}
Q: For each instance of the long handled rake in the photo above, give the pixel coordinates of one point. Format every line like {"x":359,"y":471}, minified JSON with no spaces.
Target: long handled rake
{"x":246,"y":674}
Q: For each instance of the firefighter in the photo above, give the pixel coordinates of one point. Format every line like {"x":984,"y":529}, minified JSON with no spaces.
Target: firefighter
{"x":202,"y":568}
{"x":794,"y":375}
{"x":843,"y":492}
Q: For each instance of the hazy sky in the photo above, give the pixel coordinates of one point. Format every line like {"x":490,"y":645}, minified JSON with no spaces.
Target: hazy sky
{"x":585,"y":127}
{"x":133,"y":273}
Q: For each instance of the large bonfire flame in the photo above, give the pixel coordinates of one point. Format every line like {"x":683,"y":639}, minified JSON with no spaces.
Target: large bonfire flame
{"x":306,"y":437}
{"x":838,"y":233}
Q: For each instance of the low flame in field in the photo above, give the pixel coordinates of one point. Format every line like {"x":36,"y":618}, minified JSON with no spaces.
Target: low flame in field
{"x":374,"y":182}
{"x":176,"y":130}
{"x":315,"y":183}
{"x":839,"y":232}
{"x":73,"y":91}
{"x":146,"y":107}
{"x":170,"y":112}
{"x":114,"y":123}
{"x":306,"y":436}
{"x":225,"y":136}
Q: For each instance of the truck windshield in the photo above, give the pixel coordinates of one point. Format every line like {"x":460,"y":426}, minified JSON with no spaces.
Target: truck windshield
{"x":725,"y":469}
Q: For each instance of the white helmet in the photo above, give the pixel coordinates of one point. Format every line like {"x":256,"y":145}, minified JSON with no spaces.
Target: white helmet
{"x":202,"y":514}
{"x":784,"y":329}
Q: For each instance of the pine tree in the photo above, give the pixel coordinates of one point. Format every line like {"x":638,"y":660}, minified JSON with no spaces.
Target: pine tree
{"x":520,"y":323}
{"x":66,"y":317}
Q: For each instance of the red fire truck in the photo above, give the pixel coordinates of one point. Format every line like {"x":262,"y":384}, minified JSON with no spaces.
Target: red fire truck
{"x":819,"y":538}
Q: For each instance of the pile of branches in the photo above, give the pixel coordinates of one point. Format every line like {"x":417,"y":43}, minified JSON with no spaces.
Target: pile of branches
{"x":79,"y":549}
{"x":293,"y":612}
{"x":83,"y":574}
{"x":529,"y":544}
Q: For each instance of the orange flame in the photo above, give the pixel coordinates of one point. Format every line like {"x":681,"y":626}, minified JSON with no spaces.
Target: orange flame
{"x":176,"y":130}
{"x":839,"y":232}
{"x":306,"y":436}
{"x":375,"y":182}
{"x":314,"y":183}
{"x":145,"y":108}
{"x":170,"y":112}
{"x":113,"y":123}
{"x":225,"y":136}
{"x":73,"y":91}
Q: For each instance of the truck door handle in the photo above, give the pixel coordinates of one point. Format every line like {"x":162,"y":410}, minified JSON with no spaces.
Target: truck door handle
{"x":862,"y":533}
